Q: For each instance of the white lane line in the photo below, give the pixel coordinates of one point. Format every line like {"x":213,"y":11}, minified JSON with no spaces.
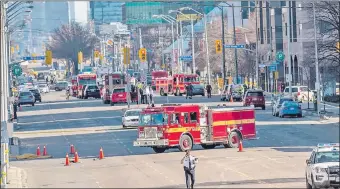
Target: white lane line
{"x":64,"y":120}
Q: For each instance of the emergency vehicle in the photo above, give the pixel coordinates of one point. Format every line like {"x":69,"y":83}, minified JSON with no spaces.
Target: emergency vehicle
{"x":183,"y":126}
{"x":176,"y":84}
{"x":85,"y":79}
{"x":157,"y":74}
{"x":323,"y":170}
{"x":118,"y":81}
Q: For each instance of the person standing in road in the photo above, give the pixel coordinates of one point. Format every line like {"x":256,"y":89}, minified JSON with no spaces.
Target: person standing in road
{"x":141,"y":95}
{"x":151,"y":95}
{"x":147,"y":94}
{"x":209,"y":88}
{"x":189,"y":162}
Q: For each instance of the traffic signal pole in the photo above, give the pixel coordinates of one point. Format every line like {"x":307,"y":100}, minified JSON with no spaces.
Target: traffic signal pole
{"x":223,"y":49}
{"x":113,"y":55}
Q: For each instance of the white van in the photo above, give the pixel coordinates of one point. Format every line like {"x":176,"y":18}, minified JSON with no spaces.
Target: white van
{"x":300,"y":93}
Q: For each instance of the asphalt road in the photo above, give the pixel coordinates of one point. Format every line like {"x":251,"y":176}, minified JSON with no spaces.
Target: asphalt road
{"x":90,"y":125}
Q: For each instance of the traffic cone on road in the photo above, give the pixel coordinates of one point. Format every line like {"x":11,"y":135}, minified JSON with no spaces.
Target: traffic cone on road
{"x":231,"y":98}
{"x":67,"y":160}
{"x":101,"y":153}
{"x":76,"y":157}
{"x":72,"y":150}
{"x":38,"y":151}
{"x":45,"y":151}
{"x":240,"y":146}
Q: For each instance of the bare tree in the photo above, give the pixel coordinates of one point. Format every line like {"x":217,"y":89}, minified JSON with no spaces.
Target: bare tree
{"x":69,"y":39}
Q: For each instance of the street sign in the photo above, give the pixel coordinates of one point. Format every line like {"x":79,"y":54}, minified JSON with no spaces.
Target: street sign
{"x":272,"y":68}
{"x":234,"y":46}
{"x":271,"y":75}
{"x":289,"y":77}
{"x":16,"y":70}
{"x":276,"y":63}
{"x":186,"y":58}
{"x":280,"y":56}
{"x":33,"y":58}
{"x":262,"y":65}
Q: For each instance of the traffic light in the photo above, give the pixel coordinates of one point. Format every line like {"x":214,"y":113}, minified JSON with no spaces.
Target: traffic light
{"x":12,"y":50}
{"x":218,"y":45}
{"x":142,"y":54}
{"x":96,"y":54}
{"x":126,"y":55}
{"x":34,"y":55}
{"x":48,"y":59}
{"x":80,"y":57}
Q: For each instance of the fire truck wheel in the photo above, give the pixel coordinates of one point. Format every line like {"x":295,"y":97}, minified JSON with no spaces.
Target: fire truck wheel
{"x":112,"y":103}
{"x":205,"y":146}
{"x":185,"y":143}
{"x":161,"y":92}
{"x":233,"y":140}
{"x":158,"y":149}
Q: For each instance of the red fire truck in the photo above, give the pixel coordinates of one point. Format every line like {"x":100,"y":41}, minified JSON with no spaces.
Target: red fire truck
{"x":85,"y":79}
{"x":74,"y":86}
{"x":183,"y":126}
{"x":176,"y":84}
{"x":118,"y":81}
{"x":157,"y":74}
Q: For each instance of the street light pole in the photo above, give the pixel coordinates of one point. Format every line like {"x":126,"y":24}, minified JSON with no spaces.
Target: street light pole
{"x":316,"y":65}
{"x":193,"y":47}
{"x":223,"y":49}
{"x":236,"y":63}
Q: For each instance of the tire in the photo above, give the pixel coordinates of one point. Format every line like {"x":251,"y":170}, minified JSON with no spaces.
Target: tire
{"x":308,"y":186}
{"x":203,"y":94}
{"x":277,"y":115}
{"x":161,"y":92}
{"x":33,"y":104}
{"x":112,"y":103}
{"x":124,"y":127}
{"x":207,"y":146}
{"x":231,"y":144}
{"x":263,"y":107}
{"x":40,"y":100}
{"x":185,"y":143}
{"x":158,"y":149}
{"x":86,"y":97}
{"x":281,"y":116}
{"x":299,"y":115}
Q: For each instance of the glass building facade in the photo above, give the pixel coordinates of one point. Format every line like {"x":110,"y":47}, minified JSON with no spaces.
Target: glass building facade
{"x":105,"y":12}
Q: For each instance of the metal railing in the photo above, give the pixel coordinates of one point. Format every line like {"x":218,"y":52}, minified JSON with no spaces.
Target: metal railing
{"x":4,"y":154}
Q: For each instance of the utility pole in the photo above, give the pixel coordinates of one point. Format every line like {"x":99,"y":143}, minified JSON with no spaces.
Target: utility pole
{"x":236,"y":63}
{"x":113,"y":55}
{"x":289,"y":58}
{"x":193,"y":70}
{"x":223,"y":49}
{"x":317,"y":84}
{"x":257,"y":53}
{"x":207,"y":48}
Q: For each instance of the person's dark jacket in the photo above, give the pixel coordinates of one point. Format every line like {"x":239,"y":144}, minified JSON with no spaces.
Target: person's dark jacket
{"x":209,"y":88}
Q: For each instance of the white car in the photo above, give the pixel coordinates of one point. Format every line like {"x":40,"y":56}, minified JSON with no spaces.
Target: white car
{"x":323,"y":170}
{"x":131,"y":118}
{"x":44,"y":88}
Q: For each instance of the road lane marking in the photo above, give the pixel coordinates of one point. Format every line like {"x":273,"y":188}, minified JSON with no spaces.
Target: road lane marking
{"x":64,"y":120}
{"x":159,"y":172}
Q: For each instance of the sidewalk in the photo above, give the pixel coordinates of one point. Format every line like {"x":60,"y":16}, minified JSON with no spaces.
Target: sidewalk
{"x":17,"y":178}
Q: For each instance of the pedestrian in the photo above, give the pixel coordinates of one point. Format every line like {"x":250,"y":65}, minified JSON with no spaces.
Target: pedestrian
{"x":209,"y":88}
{"x":189,"y":164}
{"x":147,"y":94}
{"x":15,"y":109}
{"x":144,"y":93}
{"x":187,"y":91}
{"x":151,"y":95}
{"x":191,"y":88}
{"x":141,"y":96}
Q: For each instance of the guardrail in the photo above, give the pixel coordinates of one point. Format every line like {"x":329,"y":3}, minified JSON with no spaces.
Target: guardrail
{"x":4,"y":154}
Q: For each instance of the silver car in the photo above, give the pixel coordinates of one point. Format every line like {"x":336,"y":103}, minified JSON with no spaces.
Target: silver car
{"x":26,"y":97}
{"x":278,"y":103}
{"x":131,"y":118}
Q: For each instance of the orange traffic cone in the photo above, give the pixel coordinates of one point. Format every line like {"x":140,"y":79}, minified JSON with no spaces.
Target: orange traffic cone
{"x":72,"y":150}
{"x":45,"y":151}
{"x":38,"y":151}
{"x":76,"y":157}
{"x":231,"y":98}
{"x":240,"y":146}
{"x":67,"y":160}
{"x":101,"y":153}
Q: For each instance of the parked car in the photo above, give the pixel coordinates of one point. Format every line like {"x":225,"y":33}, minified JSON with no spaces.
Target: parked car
{"x":92,"y":91}
{"x":236,"y":90}
{"x":119,"y":95}
{"x":254,"y":97}
{"x":25,"y":97}
{"x":44,"y":88}
{"x":41,"y":76}
{"x":278,"y":103}
{"x":300,"y":93}
{"x":131,"y":118}
{"x":290,"y":108}
{"x":36,"y":94}
{"x":61,"y":85}
{"x":197,"y":89}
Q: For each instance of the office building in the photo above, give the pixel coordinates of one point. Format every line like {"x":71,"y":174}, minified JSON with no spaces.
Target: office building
{"x":105,"y":12}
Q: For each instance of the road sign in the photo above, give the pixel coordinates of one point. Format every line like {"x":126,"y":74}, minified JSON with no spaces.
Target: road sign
{"x":235,"y":46}
{"x":280,"y":56}
{"x":272,"y":68}
{"x":16,"y":70}
{"x":276,"y":63}
{"x":271,"y":75}
{"x":262,"y":65}
{"x":186,"y":58}
{"x":33,"y":58}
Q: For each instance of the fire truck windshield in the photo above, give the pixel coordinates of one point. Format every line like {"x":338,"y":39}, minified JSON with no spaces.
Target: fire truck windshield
{"x":190,"y":79}
{"x":87,"y":82}
{"x":153,"y":119}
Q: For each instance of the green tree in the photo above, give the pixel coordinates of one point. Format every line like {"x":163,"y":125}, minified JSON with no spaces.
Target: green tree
{"x":67,"y":40}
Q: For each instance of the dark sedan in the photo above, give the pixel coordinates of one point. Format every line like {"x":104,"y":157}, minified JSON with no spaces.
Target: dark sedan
{"x":197,"y":89}
{"x":36,"y":94}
